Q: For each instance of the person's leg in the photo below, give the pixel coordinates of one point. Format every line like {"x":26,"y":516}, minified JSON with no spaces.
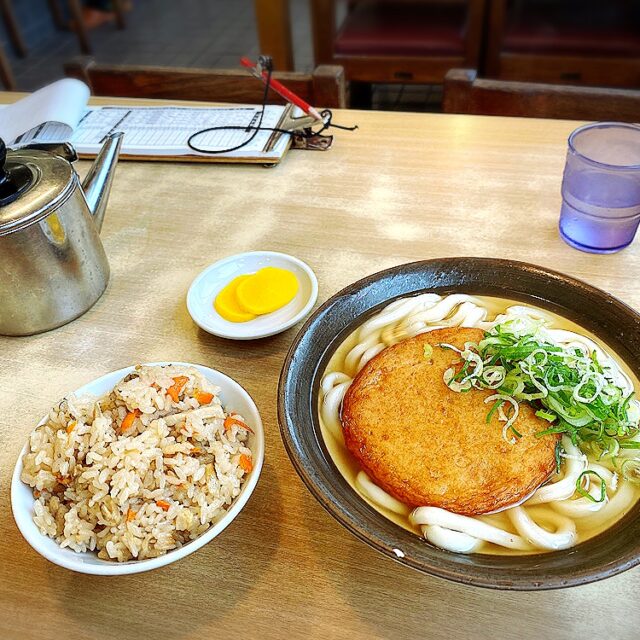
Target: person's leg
{"x":99,"y":5}
{"x":96,"y":13}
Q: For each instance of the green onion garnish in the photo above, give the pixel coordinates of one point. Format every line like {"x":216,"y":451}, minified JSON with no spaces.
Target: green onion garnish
{"x":630,"y":470}
{"x":558,"y":453}
{"x":583,"y":492}
{"x":493,"y":409}
{"x":567,"y":385}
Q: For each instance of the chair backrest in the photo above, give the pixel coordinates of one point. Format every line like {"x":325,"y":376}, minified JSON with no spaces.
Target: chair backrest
{"x":368,"y":56}
{"x":464,"y":92}
{"x":325,"y":87}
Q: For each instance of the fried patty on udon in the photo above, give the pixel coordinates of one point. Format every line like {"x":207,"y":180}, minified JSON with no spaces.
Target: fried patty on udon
{"x":425,"y":445}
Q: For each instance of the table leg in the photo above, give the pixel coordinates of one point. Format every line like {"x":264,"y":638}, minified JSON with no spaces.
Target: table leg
{"x":274,"y":32}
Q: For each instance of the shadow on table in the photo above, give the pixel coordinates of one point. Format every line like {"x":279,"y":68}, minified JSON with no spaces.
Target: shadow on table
{"x":174,"y":601}
{"x":265,"y":346}
{"x":392,"y":601}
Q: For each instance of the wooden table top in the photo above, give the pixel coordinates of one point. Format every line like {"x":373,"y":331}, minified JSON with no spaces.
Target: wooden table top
{"x":404,"y":187}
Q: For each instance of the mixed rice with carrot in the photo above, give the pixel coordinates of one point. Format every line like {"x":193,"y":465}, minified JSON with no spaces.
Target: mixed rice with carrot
{"x":140,"y":471}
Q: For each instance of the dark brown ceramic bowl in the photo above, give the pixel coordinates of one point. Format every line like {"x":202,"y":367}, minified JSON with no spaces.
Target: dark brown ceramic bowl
{"x":614,"y":551}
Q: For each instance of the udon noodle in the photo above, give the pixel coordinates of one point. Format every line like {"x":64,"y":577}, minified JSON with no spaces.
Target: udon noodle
{"x":555,"y":516}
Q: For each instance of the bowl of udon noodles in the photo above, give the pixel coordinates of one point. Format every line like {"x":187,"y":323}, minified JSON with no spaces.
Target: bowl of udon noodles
{"x":475,"y":419}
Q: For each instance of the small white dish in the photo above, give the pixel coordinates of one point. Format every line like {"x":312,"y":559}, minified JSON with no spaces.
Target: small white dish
{"x":215,"y":277}
{"x":233,"y":397}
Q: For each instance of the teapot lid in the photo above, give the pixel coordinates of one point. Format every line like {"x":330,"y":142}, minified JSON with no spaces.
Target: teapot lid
{"x":34,"y":182}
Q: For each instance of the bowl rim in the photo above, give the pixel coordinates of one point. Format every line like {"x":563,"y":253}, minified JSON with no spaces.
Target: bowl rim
{"x":331,"y":503}
{"x":63,"y":557}
{"x":265,"y":333}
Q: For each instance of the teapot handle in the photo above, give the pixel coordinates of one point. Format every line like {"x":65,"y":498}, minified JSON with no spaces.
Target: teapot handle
{"x":4,"y":176}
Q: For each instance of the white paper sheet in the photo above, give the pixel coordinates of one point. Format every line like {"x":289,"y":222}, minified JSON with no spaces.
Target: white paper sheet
{"x":61,"y":103}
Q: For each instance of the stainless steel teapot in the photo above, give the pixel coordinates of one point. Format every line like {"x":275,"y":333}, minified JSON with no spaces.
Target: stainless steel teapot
{"x":53,"y":266}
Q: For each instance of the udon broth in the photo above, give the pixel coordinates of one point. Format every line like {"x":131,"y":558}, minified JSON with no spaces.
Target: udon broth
{"x":589,"y":520}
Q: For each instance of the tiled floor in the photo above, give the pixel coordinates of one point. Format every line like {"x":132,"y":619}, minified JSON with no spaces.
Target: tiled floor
{"x":189,"y":33}
{"x":206,"y":33}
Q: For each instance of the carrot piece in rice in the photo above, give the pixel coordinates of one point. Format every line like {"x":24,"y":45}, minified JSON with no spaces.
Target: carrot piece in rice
{"x":229,"y":421}
{"x":174,"y":390}
{"x":131,"y":514}
{"x":71,"y":426}
{"x":163,"y":504}
{"x":128,"y":420}
{"x":203,"y":397}
{"x":245,"y":463}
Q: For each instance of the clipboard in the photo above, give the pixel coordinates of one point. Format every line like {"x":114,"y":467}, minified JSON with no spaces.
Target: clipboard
{"x":161,"y":133}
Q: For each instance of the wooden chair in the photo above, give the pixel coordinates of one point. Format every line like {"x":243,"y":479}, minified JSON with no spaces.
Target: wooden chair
{"x":325,"y":87}
{"x":580,"y":41}
{"x":6,"y":75}
{"x":464,"y":92}
{"x":10,"y":22}
{"x":273,"y":23}
{"x":17,"y":43}
{"x":398,"y":42}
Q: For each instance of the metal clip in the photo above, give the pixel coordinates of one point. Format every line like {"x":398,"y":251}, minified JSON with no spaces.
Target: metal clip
{"x":291,"y":123}
{"x":311,"y":141}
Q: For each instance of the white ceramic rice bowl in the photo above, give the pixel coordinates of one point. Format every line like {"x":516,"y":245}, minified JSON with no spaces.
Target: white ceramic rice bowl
{"x":233,"y":397}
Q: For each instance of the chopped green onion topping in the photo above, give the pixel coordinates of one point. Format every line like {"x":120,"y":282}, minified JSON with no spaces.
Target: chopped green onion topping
{"x":428,"y":351}
{"x":583,"y":492}
{"x":568,"y":385}
{"x":496,"y":404}
{"x":630,"y":470}
{"x":558,"y":453}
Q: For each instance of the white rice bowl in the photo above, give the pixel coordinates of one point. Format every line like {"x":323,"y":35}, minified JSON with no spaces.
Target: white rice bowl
{"x":163,"y":528}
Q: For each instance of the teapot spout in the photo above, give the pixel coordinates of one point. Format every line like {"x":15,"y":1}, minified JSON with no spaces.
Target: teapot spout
{"x":97,"y":183}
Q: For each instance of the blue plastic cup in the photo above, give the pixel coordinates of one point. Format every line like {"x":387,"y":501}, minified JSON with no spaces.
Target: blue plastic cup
{"x":601,"y":187}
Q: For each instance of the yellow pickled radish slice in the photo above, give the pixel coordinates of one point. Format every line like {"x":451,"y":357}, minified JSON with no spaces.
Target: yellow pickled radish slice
{"x":267,"y":290}
{"x":226,"y":302}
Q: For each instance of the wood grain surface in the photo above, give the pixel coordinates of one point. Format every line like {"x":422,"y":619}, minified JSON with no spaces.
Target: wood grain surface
{"x":403,"y":187}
